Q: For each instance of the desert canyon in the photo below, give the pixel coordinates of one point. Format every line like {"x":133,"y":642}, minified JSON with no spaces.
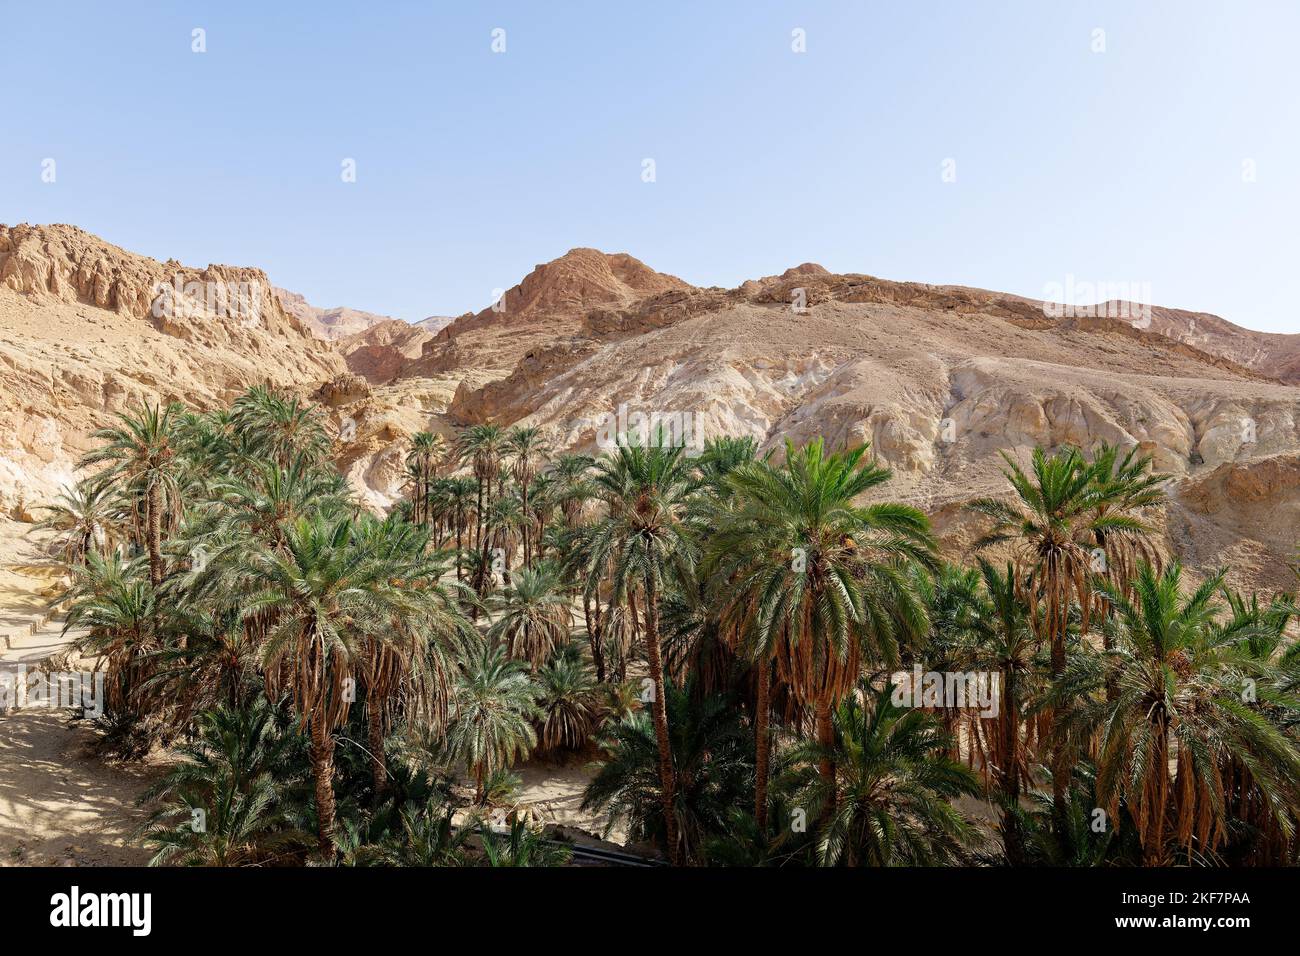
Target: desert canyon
{"x":939,"y":379}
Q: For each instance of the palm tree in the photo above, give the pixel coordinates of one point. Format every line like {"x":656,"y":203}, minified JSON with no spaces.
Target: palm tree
{"x":426,"y":448}
{"x":331,"y":600}
{"x":569,"y":705}
{"x":813,"y":580}
{"x":110,"y":598}
{"x":522,"y":846}
{"x":1058,"y":513}
{"x":280,"y":427}
{"x":224,"y":798}
{"x":451,"y":502}
{"x":428,"y":837}
{"x":87,"y":519}
{"x":715,"y":765}
{"x":411,"y":664}
{"x":1180,"y":673}
{"x":268,"y":497}
{"x":1127,"y":488}
{"x":482,"y":446}
{"x":990,"y":632}
{"x":571,"y":488}
{"x":534,"y":615}
{"x":505,"y":518}
{"x":645,"y":491}
{"x":722,"y":456}
{"x":491,"y":716}
{"x":527,"y":448}
{"x":892,"y":795}
{"x":141,"y":456}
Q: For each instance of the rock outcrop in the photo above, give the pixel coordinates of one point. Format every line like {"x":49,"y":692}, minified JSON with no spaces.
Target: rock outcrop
{"x":941,"y":380}
{"x":331,"y":325}
{"x":380,"y":352}
{"x":88,"y":330}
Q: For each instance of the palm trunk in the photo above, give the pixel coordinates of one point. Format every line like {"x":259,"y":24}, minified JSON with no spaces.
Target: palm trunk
{"x":593,"y":634}
{"x":659,"y":709}
{"x":375,"y":734}
{"x":1012,"y":839}
{"x":153,"y":520}
{"x":322,"y":771}
{"x":460,"y":525}
{"x":762,"y":743}
{"x":478,"y":517}
{"x":1153,"y":844}
{"x":826,"y":741}
{"x":528,"y":562}
{"x":1058,"y":622}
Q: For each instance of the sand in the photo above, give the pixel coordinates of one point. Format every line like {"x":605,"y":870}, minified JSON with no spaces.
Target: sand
{"x":60,"y":806}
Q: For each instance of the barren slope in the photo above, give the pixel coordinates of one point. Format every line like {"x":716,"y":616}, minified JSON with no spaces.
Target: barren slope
{"x":939,"y":379}
{"x":79,"y":341}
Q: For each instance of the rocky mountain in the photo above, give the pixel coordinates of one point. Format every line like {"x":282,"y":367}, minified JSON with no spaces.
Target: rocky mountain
{"x":940,"y":379}
{"x":328,"y":324}
{"x":435,"y":323}
{"x":88,"y":329}
{"x":1273,"y":354}
{"x":380,"y":352}
{"x":546,"y":306}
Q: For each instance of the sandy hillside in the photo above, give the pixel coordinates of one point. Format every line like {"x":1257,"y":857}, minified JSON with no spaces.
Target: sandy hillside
{"x":940,"y":379}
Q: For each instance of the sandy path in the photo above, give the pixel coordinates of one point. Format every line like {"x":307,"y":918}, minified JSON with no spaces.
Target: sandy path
{"x":59,"y":806}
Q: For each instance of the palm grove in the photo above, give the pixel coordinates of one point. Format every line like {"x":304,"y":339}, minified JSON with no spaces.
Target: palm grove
{"x":715,"y":635}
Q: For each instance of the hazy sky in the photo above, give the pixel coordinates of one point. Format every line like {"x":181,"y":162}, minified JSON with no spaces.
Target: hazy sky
{"x":1123,"y":166}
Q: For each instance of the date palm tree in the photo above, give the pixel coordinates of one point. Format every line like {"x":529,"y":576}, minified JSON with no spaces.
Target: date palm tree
{"x":1183,"y":676}
{"x":815,"y":580}
{"x":568,"y":701}
{"x":533,"y":615}
{"x":645,"y":491}
{"x":410,"y":665}
{"x":330,"y":599}
{"x":140,"y":453}
{"x":492,"y":715}
{"x":113,"y":601}
{"x":223,"y":800}
{"x":1059,"y":510}
{"x":715,"y":763}
{"x":421,"y":460}
{"x":892,"y":797}
{"x":87,"y":520}
{"x":527,"y":448}
{"x":1126,"y":487}
{"x":522,"y":846}
{"x":571,"y":487}
{"x":482,"y":447}
{"x":991,"y":632}
{"x":279,"y":426}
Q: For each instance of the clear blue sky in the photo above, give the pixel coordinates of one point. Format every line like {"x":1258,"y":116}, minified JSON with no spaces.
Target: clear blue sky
{"x":1122,"y":166}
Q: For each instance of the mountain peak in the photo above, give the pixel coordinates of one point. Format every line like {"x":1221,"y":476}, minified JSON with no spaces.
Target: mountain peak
{"x":582,"y":278}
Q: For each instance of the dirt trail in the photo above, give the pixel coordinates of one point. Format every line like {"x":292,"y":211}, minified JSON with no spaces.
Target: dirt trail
{"x":60,"y":806}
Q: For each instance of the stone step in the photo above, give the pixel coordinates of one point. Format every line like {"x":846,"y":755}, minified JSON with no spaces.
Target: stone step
{"x":31,"y":649}
{"x":13,"y":631}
